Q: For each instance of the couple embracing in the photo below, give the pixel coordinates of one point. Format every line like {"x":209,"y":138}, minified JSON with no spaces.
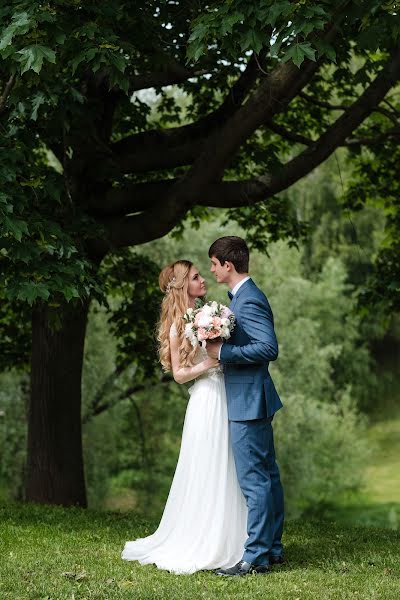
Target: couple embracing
{"x":224,"y":511}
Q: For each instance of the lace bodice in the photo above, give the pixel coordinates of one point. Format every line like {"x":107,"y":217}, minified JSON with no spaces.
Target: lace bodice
{"x":200,"y":355}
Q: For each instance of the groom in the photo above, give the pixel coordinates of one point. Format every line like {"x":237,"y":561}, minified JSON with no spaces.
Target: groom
{"x":252,"y":403}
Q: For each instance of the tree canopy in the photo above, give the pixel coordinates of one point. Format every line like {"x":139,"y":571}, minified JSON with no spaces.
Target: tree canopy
{"x":250,"y":97}
{"x":272,"y":88}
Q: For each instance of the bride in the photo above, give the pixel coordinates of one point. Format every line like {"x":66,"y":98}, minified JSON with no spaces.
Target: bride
{"x":204,"y":521}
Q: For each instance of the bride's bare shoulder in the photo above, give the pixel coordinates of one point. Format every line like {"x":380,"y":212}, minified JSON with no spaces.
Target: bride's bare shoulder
{"x":173,"y":332}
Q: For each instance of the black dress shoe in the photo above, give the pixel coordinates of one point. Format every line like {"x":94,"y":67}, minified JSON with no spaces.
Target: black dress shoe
{"x":276,"y":560}
{"x":243,"y":568}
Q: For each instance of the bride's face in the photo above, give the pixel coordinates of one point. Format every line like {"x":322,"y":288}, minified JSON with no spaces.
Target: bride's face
{"x":196,"y":287}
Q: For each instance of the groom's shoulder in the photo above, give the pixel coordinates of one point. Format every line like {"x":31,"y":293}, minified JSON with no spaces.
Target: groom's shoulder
{"x":253,"y":291}
{"x":256,"y":294}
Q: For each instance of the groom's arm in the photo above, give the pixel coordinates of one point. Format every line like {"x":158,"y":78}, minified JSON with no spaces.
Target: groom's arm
{"x":257,"y":321}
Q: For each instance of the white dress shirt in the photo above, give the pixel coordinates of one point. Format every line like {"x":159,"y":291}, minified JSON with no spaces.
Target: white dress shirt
{"x":238,"y":285}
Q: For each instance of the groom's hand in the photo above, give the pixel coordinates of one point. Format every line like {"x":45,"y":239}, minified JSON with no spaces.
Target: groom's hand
{"x":213,"y":349}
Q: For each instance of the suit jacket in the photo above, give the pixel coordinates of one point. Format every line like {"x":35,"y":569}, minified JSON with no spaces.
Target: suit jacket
{"x":250,"y":391}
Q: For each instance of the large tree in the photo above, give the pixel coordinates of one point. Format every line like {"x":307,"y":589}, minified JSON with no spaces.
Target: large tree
{"x":244,"y":93}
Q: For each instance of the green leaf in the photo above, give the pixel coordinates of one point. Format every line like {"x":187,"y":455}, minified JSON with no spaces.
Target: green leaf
{"x":278,"y":9}
{"x":298,"y":52}
{"x":252,"y":40}
{"x":31,"y":291}
{"x":118,"y":61}
{"x":308,"y":50}
{"x":198,"y":33}
{"x":325,"y":49}
{"x":60,"y":38}
{"x":16,"y":227}
{"x":195,"y":51}
{"x":38,"y":99}
{"x":71,"y":292}
{"x":19,"y":25}
{"x":32,"y":57}
{"x":315,"y":10}
{"x":230,"y":21}
{"x":77,"y":61}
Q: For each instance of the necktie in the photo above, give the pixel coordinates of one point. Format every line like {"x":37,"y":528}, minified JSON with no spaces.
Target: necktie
{"x":230,"y":295}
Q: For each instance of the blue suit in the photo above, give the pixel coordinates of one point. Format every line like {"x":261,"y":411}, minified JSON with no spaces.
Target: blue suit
{"x":252,"y":402}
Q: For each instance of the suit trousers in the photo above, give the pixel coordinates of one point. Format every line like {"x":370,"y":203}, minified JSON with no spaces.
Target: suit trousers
{"x":258,"y":475}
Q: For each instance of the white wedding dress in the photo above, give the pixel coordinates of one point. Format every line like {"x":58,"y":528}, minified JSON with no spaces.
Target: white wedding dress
{"x":204,"y":521}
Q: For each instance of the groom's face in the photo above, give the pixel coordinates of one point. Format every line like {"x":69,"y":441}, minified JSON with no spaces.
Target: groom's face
{"x":220,"y":271}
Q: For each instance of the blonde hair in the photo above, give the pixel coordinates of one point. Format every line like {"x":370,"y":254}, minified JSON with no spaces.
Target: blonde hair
{"x":174,"y":282}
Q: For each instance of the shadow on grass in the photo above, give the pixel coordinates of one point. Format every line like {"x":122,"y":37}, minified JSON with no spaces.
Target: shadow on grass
{"x":317,"y":543}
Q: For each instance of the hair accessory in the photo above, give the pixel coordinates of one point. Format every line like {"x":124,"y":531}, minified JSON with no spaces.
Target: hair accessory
{"x":170,"y":285}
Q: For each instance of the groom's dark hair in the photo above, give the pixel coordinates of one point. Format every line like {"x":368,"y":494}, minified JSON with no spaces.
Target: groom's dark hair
{"x":231,"y":248}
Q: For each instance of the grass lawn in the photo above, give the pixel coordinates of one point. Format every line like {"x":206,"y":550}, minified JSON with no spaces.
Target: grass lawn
{"x":383,"y":472}
{"x":59,"y":554}
{"x":379,"y":502}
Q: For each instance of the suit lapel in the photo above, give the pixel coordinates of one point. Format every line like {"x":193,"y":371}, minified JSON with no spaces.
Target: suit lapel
{"x":247,"y":284}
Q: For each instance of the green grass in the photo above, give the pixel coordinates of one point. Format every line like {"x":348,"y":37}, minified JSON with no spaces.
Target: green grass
{"x":59,"y":554}
{"x":379,"y":502}
{"x":383,"y":472}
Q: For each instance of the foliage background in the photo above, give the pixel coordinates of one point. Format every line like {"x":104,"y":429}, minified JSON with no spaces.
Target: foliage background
{"x":334,"y":371}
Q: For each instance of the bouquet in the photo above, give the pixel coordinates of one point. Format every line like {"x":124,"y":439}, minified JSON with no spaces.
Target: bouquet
{"x":209,"y":322}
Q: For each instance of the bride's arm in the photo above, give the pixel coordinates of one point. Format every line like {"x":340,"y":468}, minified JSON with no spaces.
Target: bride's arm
{"x":185,"y":374}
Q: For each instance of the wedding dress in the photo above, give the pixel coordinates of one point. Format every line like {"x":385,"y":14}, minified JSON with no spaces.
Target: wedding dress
{"x":204,"y":521}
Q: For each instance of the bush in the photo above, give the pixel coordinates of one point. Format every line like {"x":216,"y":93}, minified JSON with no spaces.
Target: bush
{"x":13,"y":401}
{"x":322,"y":374}
{"x":321,"y":451}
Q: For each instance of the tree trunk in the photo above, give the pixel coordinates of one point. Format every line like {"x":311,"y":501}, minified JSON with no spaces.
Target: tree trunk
{"x":55,"y":473}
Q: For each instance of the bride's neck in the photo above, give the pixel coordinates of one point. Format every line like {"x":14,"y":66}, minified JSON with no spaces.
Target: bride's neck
{"x":192,"y":302}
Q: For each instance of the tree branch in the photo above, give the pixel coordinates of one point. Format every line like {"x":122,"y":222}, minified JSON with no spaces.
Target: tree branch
{"x":98,"y":407}
{"x":284,"y":83}
{"x":272,"y":95}
{"x":138,"y":229}
{"x":373,"y":141}
{"x":7,"y":90}
{"x":172,"y":73}
{"x":177,"y":146}
{"x":146,"y":197}
{"x":391,"y":115}
{"x":149,"y":196}
{"x":252,"y":191}
{"x":158,"y":149}
{"x":242,"y":193}
{"x":291,"y":136}
{"x":133,"y":198}
{"x":163,"y":78}
{"x":321,"y":103}
{"x":337,"y":133}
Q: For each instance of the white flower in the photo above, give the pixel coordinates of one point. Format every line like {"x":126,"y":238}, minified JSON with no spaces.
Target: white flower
{"x":205,"y":321}
{"x":207,"y":310}
{"x":189,"y":312}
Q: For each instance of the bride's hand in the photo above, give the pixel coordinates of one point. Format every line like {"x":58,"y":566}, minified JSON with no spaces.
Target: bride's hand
{"x":211,"y":363}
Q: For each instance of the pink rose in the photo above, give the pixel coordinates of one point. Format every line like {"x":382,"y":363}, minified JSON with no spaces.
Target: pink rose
{"x":201,"y":334}
{"x":213,"y":334}
{"x":226,"y":313}
{"x":216,"y":322}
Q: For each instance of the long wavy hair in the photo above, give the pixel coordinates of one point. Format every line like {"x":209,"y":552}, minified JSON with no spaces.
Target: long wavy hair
{"x":174,"y":282}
